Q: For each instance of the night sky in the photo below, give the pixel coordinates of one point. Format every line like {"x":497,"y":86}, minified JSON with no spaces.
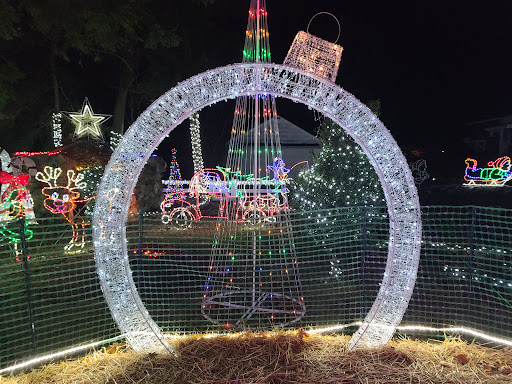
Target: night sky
{"x":435,"y":66}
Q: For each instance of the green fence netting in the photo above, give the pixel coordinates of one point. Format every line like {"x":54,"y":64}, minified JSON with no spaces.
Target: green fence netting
{"x":50,"y":299}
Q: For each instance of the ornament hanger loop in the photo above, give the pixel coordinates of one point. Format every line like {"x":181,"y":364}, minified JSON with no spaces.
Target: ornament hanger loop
{"x":335,"y":18}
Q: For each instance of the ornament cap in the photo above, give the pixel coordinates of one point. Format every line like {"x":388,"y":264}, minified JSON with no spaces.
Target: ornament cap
{"x":330,"y":14}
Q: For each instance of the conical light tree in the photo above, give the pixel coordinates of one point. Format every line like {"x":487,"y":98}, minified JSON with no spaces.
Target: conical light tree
{"x":253,"y":280}
{"x":175,"y":184}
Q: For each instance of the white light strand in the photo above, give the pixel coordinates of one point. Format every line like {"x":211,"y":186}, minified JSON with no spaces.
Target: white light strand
{"x":57,"y":129}
{"x":56,"y":355}
{"x":92,"y":179}
{"x":422,"y":328}
{"x":342,"y":157}
{"x":115,"y":139}
{"x":419,"y":171}
{"x":195,"y":138}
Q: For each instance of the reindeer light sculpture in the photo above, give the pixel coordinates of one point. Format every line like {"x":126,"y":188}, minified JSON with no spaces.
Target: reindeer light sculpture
{"x":63,"y":200}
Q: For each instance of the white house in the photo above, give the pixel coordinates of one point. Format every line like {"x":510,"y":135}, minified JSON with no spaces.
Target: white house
{"x":297,"y":145}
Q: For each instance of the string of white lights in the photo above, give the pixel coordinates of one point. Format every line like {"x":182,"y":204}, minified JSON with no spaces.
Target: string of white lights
{"x":421,"y":328}
{"x":115,"y":139}
{"x":57,"y":355}
{"x":195,"y":138}
{"x":57,"y":129}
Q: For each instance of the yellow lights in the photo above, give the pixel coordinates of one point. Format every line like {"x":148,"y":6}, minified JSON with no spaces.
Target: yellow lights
{"x":230,"y":335}
{"x":87,"y":123}
{"x":263,"y":33}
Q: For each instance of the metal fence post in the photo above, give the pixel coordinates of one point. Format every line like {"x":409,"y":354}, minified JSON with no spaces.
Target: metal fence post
{"x":472,"y":246}
{"x":471,"y":260}
{"x":28,"y":284}
{"x":141,"y":232}
{"x":138,"y":263}
{"x":364,"y":229}
{"x":364,"y":246}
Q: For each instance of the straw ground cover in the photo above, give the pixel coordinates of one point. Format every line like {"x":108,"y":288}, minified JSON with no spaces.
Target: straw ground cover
{"x":284,"y":358}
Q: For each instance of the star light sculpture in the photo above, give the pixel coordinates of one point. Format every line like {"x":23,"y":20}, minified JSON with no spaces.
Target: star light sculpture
{"x":87,"y":122}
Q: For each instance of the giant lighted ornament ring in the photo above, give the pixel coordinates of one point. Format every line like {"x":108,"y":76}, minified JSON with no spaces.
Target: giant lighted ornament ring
{"x":178,"y":104}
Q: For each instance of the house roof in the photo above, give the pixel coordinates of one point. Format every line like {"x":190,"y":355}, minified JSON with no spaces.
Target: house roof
{"x":494,"y":123}
{"x":289,"y":134}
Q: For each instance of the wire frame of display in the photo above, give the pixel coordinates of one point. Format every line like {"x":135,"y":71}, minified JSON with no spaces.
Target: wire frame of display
{"x":253,"y":278}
